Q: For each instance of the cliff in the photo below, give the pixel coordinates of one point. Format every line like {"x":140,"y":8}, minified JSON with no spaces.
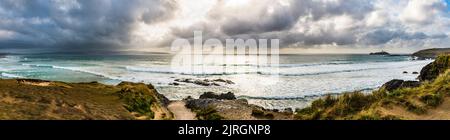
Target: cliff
{"x":431,"y":53}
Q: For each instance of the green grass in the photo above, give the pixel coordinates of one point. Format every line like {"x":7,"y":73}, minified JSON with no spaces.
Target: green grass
{"x":209,"y":113}
{"x":137,"y":99}
{"x":258,"y":113}
{"x":356,"y":105}
{"x":332,"y":107}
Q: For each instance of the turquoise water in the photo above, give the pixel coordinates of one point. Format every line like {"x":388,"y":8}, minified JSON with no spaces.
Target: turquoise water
{"x":295,"y":81}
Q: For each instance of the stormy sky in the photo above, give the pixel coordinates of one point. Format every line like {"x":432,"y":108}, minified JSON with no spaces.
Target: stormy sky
{"x":301,"y":25}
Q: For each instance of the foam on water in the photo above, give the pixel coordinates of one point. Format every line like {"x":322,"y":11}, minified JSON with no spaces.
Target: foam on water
{"x":8,"y":75}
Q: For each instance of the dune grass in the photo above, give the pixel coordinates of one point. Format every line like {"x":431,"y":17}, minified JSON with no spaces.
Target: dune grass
{"x":137,"y":98}
{"x":356,"y":105}
{"x":209,"y":113}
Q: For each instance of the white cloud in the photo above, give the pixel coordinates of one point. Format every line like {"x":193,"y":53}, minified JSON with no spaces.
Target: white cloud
{"x":422,"y":11}
{"x":376,"y":19}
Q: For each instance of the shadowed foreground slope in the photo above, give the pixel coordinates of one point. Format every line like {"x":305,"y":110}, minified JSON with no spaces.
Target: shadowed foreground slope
{"x":37,"y":99}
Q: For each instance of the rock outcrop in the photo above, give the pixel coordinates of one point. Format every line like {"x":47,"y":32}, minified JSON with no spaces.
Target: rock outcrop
{"x":212,"y":95}
{"x":203,"y":82}
{"x":215,"y":107}
{"x":432,"y":70}
{"x":396,"y":84}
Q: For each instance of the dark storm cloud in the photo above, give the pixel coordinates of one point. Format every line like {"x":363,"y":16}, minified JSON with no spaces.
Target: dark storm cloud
{"x":277,"y":24}
{"x":319,"y":21}
{"x":109,"y":24}
{"x":284,"y":17}
{"x":384,"y":36}
{"x":79,"y":24}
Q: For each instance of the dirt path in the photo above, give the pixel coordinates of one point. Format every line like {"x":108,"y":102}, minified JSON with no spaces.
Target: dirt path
{"x":180,"y":112}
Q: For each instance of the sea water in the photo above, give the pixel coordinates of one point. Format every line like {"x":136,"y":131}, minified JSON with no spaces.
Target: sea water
{"x":293,"y":83}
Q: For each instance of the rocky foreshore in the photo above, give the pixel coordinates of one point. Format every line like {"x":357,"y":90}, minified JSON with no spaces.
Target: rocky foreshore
{"x":212,"y":106}
{"x":202,"y":82}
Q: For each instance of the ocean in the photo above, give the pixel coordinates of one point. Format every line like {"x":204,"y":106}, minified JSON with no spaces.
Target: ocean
{"x":293,"y":83}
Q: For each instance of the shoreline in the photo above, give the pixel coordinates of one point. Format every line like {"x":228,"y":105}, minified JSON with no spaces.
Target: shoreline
{"x":41,"y":99}
{"x":306,"y":100}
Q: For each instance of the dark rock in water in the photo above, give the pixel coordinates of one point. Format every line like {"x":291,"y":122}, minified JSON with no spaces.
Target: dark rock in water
{"x":202,"y":83}
{"x":215,"y":84}
{"x":415,"y":72}
{"x":223,"y":81}
{"x":392,"y":85}
{"x":184,"y":80}
{"x":432,"y":70}
{"x":212,"y":95}
{"x":174,"y":84}
{"x":219,"y":80}
{"x":230,"y":82}
{"x":405,"y":72}
{"x":396,"y":84}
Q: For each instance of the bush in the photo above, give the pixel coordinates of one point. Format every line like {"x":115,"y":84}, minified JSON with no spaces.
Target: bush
{"x":209,"y":113}
{"x":257,"y":113}
{"x":137,"y":101}
{"x":261,"y":114}
{"x":269,"y":116}
{"x":432,"y":99}
{"x":331,"y":107}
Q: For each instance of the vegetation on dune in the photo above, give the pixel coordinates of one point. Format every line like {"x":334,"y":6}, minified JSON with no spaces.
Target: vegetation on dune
{"x":432,"y":70}
{"x":139,"y":102}
{"x":209,"y":113}
{"x":25,"y":99}
{"x":261,"y":114}
{"x":356,"y":105}
{"x":137,"y":98}
{"x":341,"y":107}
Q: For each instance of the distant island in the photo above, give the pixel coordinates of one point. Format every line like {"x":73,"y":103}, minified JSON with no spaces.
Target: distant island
{"x":431,"y":53}
{"x":380,"y":53}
